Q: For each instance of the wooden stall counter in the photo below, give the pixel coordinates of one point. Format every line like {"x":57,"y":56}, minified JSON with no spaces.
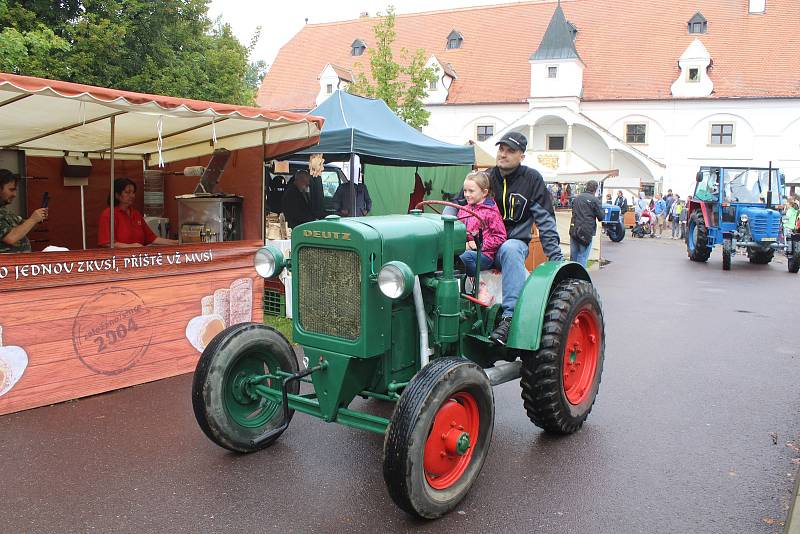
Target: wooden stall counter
{"x":79,"y":323}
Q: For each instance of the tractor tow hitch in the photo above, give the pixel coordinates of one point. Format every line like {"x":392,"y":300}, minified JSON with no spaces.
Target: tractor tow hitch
{"x":285,"y":402}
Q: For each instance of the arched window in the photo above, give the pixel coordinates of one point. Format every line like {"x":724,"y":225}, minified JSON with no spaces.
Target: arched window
{"x":358,"y":47}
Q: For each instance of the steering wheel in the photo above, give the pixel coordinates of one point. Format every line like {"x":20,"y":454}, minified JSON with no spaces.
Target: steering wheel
{"x":445,"y":203}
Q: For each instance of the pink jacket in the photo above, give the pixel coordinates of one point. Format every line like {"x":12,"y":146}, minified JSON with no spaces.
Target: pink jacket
{"x":495,"y":232}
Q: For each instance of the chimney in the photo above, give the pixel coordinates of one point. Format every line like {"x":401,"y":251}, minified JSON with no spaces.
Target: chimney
{"x":756,"y":6}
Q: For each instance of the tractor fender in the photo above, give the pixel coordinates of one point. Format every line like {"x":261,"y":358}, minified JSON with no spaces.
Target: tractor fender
{"x":526,"y":326}
{"x":695,"y":205}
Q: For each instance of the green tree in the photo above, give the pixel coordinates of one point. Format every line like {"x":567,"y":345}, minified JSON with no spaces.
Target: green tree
{"x":402,"y":87}
{"x":167,"y":47}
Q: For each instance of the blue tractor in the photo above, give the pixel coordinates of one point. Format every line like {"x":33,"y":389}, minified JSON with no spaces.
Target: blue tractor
{"x":612,"y":223}
{"x":736,"y":207}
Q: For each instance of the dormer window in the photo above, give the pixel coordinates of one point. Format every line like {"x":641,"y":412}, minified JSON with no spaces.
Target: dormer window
{"x":358,"y":47}
{"x":454,"y":40}
{"x":433,"y":85}
{"x":693,"y":75}
{"x":552,"y":72}
{"x":698,"y":23}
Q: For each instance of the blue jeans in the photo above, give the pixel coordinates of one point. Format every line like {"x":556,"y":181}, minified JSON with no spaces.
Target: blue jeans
{"x":468,"y":259}
{"x":579,"y":253}
{"x":510,"y":259}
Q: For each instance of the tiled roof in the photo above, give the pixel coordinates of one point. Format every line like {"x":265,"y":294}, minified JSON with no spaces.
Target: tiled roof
{"x":343,"y":73}
{"x":630,"y":49}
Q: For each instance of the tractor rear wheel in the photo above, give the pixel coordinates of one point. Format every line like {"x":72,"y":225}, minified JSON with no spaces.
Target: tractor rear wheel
{"x":616,"y":232}
{"x":760,"y":256}
{"x":438,"y":437}
{"x":227,"y":410}
{"x":697,"y":238}
{"x":560,"y":380}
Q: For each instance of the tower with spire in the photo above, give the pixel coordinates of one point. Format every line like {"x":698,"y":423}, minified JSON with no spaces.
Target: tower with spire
{"x":556,"y":67}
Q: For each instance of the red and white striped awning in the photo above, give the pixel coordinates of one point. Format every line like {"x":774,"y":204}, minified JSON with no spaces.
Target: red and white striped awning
{"x":49,"y":117}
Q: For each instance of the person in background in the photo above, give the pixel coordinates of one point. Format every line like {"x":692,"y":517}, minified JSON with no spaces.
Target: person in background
{"x":130,"y":228}
{"x":478,"y":194}
{"x":675,"y":216}
{"x":790,"y":218}
{"x":297,"y":200}
{"x":685,"y":216}
{"x":641,"y":205}
{"x":622,"y":202}
{"x":13,"y":228}
{"x":669,"y":198}
{"x":608,"y":198}
{"x":343,"y":200}
{"x":660,"y":210}
{"x":586,"y":209}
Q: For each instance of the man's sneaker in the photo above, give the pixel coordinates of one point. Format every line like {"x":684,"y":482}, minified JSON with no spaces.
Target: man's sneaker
{"x":500,"y":334}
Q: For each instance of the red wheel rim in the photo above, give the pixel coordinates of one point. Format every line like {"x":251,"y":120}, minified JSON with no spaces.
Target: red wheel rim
{"x":451,"y":441}
{"x":580,"y":356}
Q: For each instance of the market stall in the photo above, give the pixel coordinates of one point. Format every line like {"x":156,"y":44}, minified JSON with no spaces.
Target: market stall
{"x":366,"y":130}
{"x":85,"y":320}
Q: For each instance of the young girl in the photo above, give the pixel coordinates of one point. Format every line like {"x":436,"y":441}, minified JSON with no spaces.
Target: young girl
{"x":477,"y":192}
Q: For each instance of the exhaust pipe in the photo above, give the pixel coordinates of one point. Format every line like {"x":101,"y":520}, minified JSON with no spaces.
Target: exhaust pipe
{"x":500,"y":374}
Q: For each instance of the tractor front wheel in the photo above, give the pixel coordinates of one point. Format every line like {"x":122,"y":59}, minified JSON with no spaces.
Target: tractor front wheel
{"x":616,"y":232}
{"x":438,"y":437}
{"x":226,"y":406}
{"x":697,"y":238}
{"x":560,"y":380}
{"x":760,"y":256}
{"x":727,"y":252}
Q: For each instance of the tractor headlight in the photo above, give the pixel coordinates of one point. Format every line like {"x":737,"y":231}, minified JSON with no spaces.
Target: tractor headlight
{"x":269,"y":262}
{"x":396,"y":280}
{"x":744,"y":218}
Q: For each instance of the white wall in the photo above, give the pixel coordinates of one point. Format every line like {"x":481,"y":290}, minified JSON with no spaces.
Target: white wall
{"x":456,"y":124}
{"x":677,"y":133}
{"x":568,"y":81}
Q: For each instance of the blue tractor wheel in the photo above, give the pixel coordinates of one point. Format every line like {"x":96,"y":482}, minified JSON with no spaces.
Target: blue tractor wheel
{"x":697,"y":238}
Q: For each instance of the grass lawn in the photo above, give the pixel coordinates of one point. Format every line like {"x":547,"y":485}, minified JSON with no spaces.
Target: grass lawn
{"x":281,"y":324}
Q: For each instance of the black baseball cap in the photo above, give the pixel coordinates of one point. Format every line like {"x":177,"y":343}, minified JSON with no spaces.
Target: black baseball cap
{"x":514,"y":140}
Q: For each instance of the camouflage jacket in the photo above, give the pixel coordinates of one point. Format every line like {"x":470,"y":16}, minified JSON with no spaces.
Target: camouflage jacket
{"x":8,"y":221}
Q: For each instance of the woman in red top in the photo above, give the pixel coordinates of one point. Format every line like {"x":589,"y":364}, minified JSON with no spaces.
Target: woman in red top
{"x":130,"y":228}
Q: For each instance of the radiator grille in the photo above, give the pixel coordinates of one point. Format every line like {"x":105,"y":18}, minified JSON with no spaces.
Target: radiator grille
{"x":329,"y":292}
{"x":765,"y":226}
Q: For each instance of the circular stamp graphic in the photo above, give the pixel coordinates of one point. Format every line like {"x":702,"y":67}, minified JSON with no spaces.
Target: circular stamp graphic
{"x":111,"y":331}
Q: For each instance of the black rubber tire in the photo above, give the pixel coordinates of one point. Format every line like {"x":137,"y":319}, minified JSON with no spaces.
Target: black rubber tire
{"x":726,"y":258}
{"x":760,"y":257}
{"x":701,"y":250}
{"x":213,"y":375}
{"x":410,"y":425}
{"x":794,"y":262}
{"x":542,"y":385}
{"x":616,"y":233}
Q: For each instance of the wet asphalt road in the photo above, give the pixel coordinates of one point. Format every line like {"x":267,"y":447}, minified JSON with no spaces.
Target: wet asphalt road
{"x":693,"y":431}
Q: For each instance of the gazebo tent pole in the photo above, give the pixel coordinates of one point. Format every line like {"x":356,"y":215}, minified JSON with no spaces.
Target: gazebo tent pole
{"x":263,"y":185}
{"x":353,"y":184}
{"x":83,"y":220}
{"x":111,"y":192}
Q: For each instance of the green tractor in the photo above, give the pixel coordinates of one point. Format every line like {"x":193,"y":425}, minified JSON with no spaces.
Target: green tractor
{"x":381,"y":312}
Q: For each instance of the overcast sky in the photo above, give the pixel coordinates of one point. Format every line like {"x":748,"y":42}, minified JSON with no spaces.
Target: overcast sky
{"x":279,"y":21}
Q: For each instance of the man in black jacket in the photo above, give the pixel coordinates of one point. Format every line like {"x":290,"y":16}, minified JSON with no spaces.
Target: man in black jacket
{"x":297,"y":200}
{"x":523,"y":199}
{"x":585,"y":210}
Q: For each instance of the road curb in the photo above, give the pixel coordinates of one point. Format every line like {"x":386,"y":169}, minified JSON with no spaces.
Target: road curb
{"x":793,"y":517}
